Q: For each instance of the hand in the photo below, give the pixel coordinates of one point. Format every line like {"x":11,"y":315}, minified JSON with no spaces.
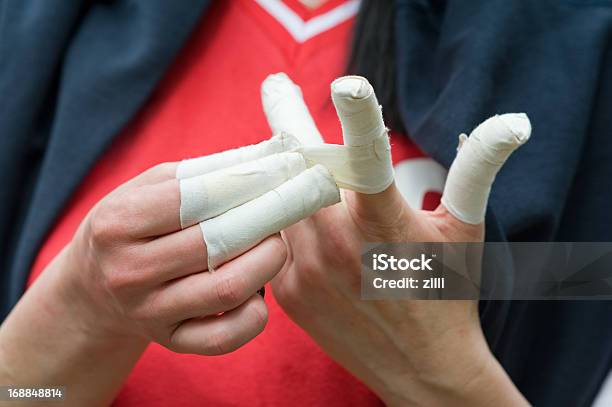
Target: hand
{"x":136,"y":273}
{"x":408,"y":352}
{"x":131,"y":275}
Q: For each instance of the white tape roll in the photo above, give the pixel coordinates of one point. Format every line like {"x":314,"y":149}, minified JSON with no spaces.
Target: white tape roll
{"x":478,"y":160}
{"x":208,"y":195}
{"x":239,"y":229}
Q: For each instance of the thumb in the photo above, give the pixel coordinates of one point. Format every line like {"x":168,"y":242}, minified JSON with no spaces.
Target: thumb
{"x":376,"y":201}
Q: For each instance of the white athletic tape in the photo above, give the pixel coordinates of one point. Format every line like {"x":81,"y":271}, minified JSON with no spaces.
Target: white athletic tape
{"x":208,"y":195}
{"x":208,"y":163}
{"x":239,"y":229}
{"x":270,"y":188}
{"x":363,"y":163}
{"x":286,"y":111}
{"x":358,"y":110}
{"x":367,"y":167}
{"x":243,"y":195}
{"x":358,"y":168}
{"x":478,"y":160}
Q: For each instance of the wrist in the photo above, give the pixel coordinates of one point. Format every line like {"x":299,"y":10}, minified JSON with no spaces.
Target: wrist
{"x":490,"y":385}
{"x":54,"y":329}
{"x":482,"y":383}
{"x":459,"y":372}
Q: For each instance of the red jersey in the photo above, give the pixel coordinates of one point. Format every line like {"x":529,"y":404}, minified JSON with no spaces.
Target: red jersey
{"x":209,"y":101}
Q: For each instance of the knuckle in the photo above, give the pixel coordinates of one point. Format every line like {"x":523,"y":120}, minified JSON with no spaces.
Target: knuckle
{"x":217,"y":343}
{"x":260,"y":315}
{"x":169,"y":307}
{"x":119,"y":280}
{"x":172,"y":342}
{"x":125,"y":272}
{"x":106,"y":224}
{"x":126,"y":284}
{"x":279,"y":248}
{"x":230,"y":291}
{"x":127,"y":208}
{"x":101,"y":229}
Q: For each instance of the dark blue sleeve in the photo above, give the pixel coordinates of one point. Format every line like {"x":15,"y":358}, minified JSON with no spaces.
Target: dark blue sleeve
{"x":72,"y":74}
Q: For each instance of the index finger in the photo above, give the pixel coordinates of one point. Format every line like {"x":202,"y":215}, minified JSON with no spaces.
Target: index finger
{"x":143,"y":211}
{"x":172,"y":205}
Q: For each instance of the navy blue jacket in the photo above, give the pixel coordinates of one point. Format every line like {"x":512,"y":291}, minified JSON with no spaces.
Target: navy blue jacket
{"x":72,"y":74}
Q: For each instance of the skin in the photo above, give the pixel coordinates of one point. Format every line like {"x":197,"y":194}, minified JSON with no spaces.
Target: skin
{"x":131,"y":276}
{"x":408,"y":352}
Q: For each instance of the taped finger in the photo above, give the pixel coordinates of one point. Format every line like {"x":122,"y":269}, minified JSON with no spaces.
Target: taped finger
{"x":239,"y":229}
{"x":211,"y":194}
{"x":286,"y":111}
{"x":208,"y":163}
{"x":480,"y":156}
{"x":366,"y":165}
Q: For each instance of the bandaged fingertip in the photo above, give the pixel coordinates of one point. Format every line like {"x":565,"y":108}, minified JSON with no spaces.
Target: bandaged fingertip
{"x":342,"y":162}
{"x":365,"y":164}
{"x":197,"y":166}
{"x":286,"y":111}
{"x":358,"y":109}
{"x":241,"y":196}
{"x":239,"y":229}
{"x":478,"y":160}
{"x":208,"y":195}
